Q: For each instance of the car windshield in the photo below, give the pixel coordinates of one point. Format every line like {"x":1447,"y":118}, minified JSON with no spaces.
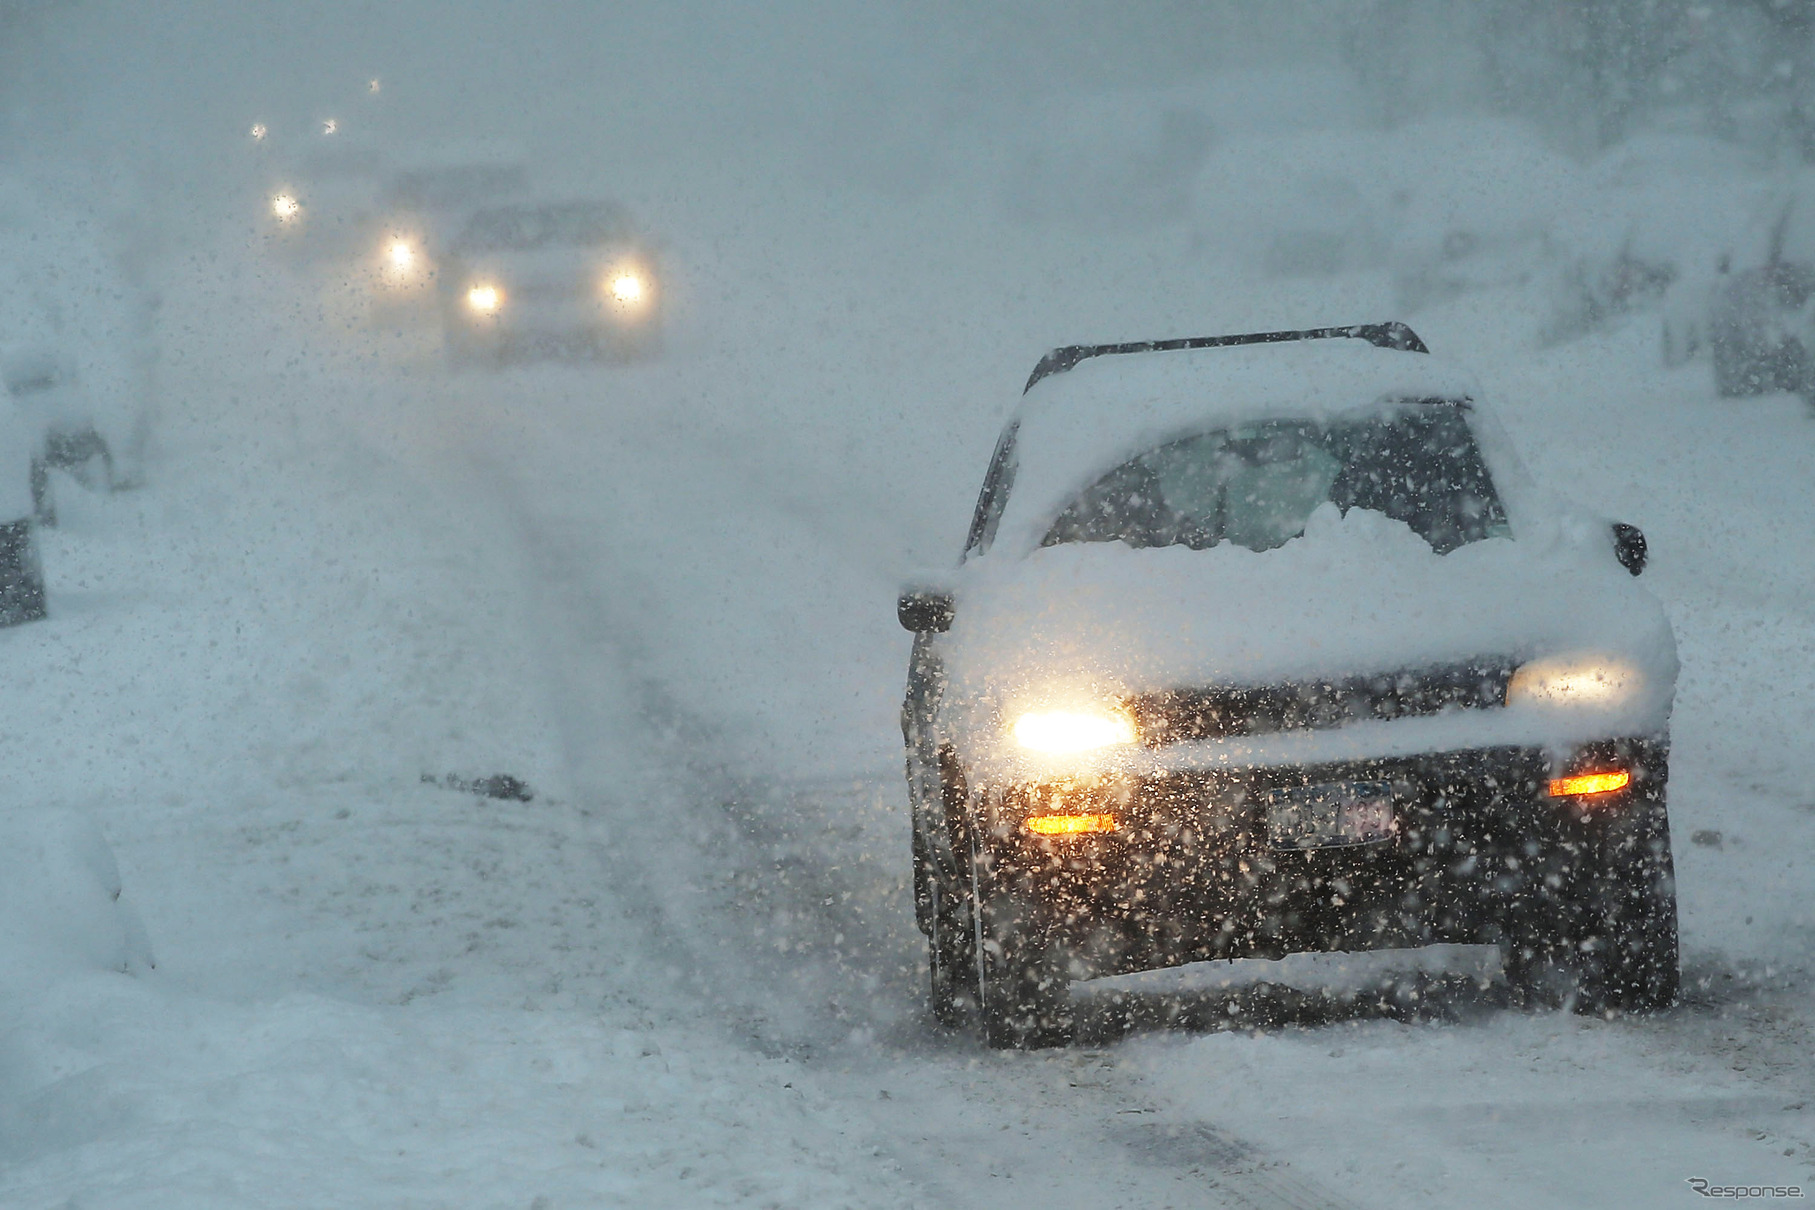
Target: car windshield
{"x":530,"y":227}
{"x":1256,"y":485}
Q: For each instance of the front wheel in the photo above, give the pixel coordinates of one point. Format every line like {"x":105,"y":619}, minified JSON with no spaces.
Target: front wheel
{"x":951,"y":956}
{"x":1613,"y":947}
{"x":1628,"y":953}
{"x":1023,"y":978}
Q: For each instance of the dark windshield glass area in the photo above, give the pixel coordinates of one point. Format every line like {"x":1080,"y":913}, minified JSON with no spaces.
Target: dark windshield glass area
{"x":1257,"y":484}
{"x":528,"y":228}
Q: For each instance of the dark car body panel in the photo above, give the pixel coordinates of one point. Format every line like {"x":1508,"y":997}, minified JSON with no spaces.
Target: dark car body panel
{"x":1482,"y":854}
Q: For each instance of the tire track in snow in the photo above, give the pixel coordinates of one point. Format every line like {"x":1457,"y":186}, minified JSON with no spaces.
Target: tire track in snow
{"x":843,"y":972}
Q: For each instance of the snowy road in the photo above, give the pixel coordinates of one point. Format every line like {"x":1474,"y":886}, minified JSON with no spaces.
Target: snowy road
{"x":686,"y":973}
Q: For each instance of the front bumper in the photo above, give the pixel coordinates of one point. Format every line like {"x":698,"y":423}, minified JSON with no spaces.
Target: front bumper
{"x":1480,"y":853}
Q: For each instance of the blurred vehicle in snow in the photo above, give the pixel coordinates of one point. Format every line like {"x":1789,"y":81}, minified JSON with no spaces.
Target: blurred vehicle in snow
{"x":1470,"y":261}
{"x":555,"y":279}
{"x":425,"y":204}
{"x":74,"y":354}
{"x":322,"y":193}
{"x":1761,"y":310}
{"x":44,"y":389}
{"x":1267,"y":644}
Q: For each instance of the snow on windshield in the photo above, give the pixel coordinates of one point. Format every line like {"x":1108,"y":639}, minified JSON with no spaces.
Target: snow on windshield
{"x":1257,"y":484}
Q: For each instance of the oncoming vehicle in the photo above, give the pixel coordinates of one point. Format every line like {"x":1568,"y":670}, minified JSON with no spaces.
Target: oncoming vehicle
{"x":322,"y":200}
{"x":1267,"y":644}
{"x":425,"y":203}
{"x":566,"y":279}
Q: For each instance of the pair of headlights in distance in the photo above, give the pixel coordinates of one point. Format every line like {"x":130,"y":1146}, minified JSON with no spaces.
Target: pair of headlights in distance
{"x":1553,"y":682}
{"x":626,"y":289}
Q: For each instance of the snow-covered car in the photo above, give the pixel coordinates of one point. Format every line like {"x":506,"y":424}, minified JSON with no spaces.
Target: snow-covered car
{"x":47,"y":392}
{"x":1268,"y":644}
{"x":562,"y":279}
{"x":73,"y":360}
{"x":1761,"y":309}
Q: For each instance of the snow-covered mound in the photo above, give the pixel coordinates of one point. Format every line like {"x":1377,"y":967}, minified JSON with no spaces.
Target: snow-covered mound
{"x":61,"y":904}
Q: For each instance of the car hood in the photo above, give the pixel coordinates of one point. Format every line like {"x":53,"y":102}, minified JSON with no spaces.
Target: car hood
{"x":1354,"y":595}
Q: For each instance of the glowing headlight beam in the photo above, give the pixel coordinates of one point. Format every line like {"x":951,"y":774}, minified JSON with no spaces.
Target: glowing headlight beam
{"x":402,"y":254}
{"x":1063,"y":732}
{"x":1573,"y":681}
{"x":285,"y":206}
{"x":484,"y":299}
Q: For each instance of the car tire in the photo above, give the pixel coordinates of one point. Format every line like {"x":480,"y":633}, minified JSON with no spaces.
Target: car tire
{"x":21,"y":575}
{"x":1023,"y":984}
{"x":951,"y":962}
{"x":1628,"y":945}
{"x":1613,"y":946}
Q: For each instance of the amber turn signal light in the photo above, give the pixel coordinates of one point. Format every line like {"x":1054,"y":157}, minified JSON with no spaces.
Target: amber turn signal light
{"x":1069,"y":825}
{"x":1590,"y":783}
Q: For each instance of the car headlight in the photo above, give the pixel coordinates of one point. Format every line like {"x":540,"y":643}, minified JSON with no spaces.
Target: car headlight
{"x":1066,"y":732}
{"x":1575,"y":680}
{"x":627,"y":288}
{"x":484,"y":299}
{"x":401,"y":255}
{"x":285,"y":207}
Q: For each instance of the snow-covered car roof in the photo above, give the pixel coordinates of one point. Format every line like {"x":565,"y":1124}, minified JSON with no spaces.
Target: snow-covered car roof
{"x":1076,"y":426}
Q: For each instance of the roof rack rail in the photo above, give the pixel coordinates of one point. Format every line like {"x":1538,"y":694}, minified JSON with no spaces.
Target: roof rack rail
{"x":1391,"y":335}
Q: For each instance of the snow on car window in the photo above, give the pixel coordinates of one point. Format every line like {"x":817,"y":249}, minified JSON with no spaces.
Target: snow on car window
{"x":1255,"y":485}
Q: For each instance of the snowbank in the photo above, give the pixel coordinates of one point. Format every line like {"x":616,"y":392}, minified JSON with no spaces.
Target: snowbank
{"x":61,"y":907}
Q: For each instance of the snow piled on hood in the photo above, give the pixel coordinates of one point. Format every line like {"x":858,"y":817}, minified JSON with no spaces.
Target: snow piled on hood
{"x":1357,"y":594}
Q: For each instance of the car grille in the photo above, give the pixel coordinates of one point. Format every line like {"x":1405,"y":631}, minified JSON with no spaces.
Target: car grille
{"x":1177,"y":715}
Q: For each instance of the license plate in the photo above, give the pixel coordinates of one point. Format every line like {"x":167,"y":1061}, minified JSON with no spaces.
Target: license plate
{"x":1339,"y":813}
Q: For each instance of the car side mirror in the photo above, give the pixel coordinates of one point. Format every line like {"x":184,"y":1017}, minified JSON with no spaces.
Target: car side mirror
{"x":925,"y":610}
{"x":1629,"y":547}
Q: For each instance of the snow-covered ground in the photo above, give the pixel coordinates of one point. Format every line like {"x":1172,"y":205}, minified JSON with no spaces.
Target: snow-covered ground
{"x":685,"y":973}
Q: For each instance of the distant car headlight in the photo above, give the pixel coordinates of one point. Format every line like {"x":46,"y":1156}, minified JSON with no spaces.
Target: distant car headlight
{"x":484,"y":299}
{"x":401,"y":255}
{"x":1065,"y":732}
{"x":628,"y":288}
{"x":285,"y":207}
{"x":1574,"y":680}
